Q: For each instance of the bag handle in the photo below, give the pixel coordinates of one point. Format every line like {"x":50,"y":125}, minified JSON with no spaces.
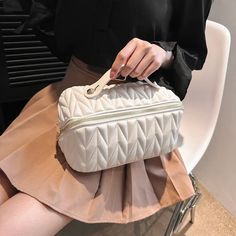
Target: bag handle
{"x":96,"y":88}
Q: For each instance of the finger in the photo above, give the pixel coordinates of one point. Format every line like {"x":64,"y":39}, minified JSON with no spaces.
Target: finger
{"x":122,"y":57}
{"x":149,"y":70}
{"x":133,"y":61}
{"x":140,"y":68}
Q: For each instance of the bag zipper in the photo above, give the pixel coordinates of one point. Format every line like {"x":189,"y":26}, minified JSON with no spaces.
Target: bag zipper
{"x":120,"y":114}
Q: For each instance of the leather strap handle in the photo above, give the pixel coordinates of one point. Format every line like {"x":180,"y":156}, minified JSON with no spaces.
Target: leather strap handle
{"x":95,"y":89}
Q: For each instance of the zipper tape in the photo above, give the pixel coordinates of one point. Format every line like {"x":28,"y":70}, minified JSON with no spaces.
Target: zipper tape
{"x":116,"y":115}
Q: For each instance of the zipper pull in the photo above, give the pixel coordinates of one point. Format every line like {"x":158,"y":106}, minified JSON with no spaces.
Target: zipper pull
{"x":95,"y":88}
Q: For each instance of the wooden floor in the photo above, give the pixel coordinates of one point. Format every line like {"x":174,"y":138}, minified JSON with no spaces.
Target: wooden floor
{"x":211,"y":220}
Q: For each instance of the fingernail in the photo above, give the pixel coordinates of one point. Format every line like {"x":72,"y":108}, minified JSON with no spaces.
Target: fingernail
{"x":112,"y":75}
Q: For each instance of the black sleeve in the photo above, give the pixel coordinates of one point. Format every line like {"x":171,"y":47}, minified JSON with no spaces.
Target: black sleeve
{"x":187,"y":42}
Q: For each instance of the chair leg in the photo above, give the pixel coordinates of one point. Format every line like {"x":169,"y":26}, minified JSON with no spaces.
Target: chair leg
{"x":172,"y":224}
{"x":192,"y":215}
{"x":182,"y":209}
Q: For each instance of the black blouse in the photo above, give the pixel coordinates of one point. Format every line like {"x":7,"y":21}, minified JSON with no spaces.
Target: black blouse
{"x":96,"y":30}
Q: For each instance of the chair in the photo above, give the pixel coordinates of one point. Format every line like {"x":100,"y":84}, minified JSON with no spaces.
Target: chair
{"x":202,"y":106}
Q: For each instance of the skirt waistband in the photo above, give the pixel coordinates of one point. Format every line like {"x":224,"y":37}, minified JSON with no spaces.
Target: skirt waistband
{"x":89,"y":68}
{"x":96,"y":71}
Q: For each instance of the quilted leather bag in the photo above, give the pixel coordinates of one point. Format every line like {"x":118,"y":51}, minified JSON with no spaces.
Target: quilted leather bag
{"x":104,"y":126}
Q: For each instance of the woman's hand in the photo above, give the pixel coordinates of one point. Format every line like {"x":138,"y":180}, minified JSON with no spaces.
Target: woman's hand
{"x":140,"y":59}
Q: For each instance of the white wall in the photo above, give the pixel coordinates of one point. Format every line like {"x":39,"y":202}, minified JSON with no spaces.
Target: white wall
{"x":217,"y":169}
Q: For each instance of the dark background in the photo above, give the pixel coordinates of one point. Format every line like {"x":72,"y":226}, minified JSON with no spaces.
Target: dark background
{"x":26,"y":65}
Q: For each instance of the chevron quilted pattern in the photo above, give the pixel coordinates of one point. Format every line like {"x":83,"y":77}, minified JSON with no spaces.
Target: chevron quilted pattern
{"x":103,"y":145}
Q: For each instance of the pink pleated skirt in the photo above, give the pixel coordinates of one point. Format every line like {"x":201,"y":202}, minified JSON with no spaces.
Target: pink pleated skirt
{"x":32,"y":160}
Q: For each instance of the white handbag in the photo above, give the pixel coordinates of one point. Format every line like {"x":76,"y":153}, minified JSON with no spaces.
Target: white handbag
{"x":104,"y":126}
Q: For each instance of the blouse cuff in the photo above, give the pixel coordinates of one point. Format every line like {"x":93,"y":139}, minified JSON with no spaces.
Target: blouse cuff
{"x":178,"y":75}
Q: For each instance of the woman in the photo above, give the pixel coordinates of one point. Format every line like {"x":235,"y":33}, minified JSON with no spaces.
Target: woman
{"x":164,"y":40}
